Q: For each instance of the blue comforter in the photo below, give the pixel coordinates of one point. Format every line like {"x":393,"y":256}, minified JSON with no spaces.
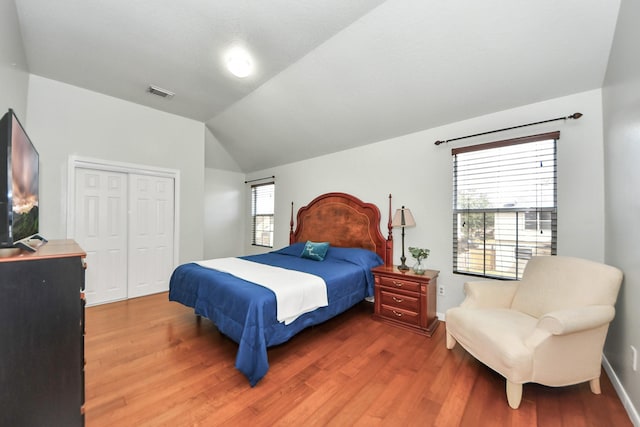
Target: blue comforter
{"x":246,"y":312}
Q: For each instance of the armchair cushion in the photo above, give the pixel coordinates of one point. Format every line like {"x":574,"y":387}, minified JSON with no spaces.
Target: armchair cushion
{"x":497,"y":337}
{"x":552,"y":283}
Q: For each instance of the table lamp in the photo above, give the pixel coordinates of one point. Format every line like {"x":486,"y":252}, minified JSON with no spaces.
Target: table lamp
{"x":403,"y":218}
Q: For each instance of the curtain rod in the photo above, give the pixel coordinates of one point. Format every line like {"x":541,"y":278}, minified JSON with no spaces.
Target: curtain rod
{"x":260,"y":179}
{"x":573,"y":116}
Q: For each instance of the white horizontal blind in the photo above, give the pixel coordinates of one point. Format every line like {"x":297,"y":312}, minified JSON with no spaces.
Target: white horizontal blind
{"x":262,"y":209}
{"x":505,"y":205}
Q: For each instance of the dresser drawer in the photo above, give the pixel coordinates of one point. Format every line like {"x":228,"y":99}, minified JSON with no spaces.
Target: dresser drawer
{"x":400,"y":315}
{"x":404,"y":302}
{"x":406,"y":285}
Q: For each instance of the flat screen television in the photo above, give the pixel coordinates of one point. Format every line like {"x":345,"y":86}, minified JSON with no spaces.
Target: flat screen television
{"x":19,"y":174}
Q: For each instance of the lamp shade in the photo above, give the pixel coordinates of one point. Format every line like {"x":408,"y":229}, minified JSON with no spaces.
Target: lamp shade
{"x":403,"y":218}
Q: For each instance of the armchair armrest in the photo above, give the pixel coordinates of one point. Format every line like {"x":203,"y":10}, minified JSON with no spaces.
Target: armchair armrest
{"x":577,"y":319}
{"x":489,"y":294}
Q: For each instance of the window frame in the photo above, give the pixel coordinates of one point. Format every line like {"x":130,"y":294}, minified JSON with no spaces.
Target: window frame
{"x":482,"y":250}
{"x":267,"y":228}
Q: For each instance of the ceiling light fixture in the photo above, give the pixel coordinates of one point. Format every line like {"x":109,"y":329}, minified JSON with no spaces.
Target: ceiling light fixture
{"x":239,"y":62}
{"x":160,"y":92}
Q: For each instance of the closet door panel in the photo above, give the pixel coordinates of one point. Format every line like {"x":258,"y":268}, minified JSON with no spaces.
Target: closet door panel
{"x":101,"y":228}
{"x":150,"y":234}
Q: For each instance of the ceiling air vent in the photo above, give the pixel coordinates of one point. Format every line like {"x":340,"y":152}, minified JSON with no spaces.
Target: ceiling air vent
{"x":160,"y":92}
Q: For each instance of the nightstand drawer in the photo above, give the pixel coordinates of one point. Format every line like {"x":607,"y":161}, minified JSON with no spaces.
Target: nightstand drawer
{"x":395,"y":283}
{"x":399,"y":315}
{"x":400,"y":301}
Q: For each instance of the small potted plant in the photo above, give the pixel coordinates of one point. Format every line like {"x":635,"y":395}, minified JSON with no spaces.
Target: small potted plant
{"x":419,"y":254}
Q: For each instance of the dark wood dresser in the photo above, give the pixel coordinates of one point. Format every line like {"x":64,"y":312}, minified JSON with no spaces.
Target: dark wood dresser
{"x":42,"y":336}
{"x":406,"y":299}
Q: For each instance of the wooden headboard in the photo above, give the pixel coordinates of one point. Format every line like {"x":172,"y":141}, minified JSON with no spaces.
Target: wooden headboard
{"x":344,"y":221}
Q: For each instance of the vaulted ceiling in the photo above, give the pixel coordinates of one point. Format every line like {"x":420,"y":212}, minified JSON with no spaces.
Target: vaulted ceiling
{"x":329,"y":75}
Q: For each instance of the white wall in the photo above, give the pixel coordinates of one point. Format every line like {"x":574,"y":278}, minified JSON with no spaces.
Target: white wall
{"x":621,"y":106}
{"x":224,"y":202}
{"x":224,"y":213}
{"x":419,"y":175}
{"x":14,"y":76}
{"x":65,"y":120}
{"x":216,"y":156}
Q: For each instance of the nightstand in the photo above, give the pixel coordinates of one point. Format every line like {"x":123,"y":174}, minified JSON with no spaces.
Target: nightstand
{"x":406,"y":299}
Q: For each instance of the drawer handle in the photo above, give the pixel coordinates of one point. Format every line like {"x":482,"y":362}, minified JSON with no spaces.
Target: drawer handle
{"x":398,"y":284}
{"x":396,"y":313}
{"x":396,"y":299}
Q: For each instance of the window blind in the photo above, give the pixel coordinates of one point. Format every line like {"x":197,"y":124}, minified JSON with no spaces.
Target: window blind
{"x":504,"y":205}
{"x":262,"y":210}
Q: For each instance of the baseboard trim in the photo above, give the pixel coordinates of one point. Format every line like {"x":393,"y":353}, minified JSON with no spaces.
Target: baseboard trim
{"x":622,"y":393}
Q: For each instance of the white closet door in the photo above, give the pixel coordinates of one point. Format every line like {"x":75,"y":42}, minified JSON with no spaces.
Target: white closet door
{"x":151,"y":201}
{"x":101,"y":229}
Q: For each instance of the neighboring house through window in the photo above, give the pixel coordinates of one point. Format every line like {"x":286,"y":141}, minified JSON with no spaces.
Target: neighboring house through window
{"x":504,"y":205}
{"x":262,"y":208}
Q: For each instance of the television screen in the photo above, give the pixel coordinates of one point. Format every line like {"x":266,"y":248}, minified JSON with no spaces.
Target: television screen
{"x":18,"y":187}
{"x":24,"y":183}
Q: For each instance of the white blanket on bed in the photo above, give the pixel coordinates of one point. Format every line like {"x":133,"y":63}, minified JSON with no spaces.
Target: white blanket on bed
{"x":296,"y":292}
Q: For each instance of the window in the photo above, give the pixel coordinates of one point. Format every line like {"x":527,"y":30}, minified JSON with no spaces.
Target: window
{"x":262,"y":206}
{"x":504,"y":205}
{"x":537,"y":220}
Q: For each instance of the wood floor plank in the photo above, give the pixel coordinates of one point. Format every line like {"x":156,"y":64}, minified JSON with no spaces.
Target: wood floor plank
{"x":150,"y":362}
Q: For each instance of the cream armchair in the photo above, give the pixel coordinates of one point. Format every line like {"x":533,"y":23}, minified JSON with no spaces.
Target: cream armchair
{"x":548,"y":328}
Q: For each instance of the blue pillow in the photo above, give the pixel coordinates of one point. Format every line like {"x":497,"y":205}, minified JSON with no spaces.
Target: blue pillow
{"x":315,"y":251}
{"x":363,"y":257}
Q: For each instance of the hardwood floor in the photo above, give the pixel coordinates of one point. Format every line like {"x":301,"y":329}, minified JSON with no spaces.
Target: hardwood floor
{"x":151,"y":363}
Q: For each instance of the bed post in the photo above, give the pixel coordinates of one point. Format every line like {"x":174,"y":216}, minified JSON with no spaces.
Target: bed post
{"x":291,"y":236}
{"x":389,"y":243}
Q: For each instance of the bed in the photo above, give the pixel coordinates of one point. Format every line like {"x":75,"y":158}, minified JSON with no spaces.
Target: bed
{"x":248,"y":313}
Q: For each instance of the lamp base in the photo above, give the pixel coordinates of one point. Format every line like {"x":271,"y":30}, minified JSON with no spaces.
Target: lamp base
{"x":403,"y":266}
